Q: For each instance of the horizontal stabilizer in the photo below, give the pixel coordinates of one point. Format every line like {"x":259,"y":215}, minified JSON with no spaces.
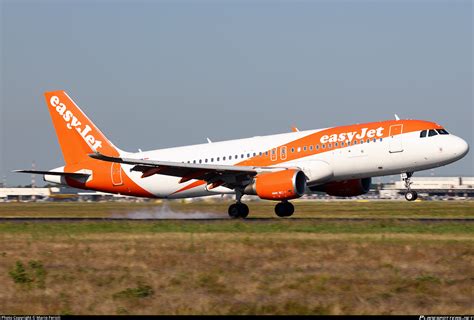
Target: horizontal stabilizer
{"x":73,"y":175}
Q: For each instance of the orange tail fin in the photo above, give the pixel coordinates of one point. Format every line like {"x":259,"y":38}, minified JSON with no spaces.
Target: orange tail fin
{"x":77,"y":135}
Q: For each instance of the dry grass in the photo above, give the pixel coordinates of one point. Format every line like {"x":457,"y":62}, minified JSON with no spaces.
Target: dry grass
{"x":239,"y":273}
{"x":276,"y":266}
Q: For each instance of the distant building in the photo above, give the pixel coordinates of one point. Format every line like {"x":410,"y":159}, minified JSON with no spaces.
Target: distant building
{"x":25,"y":194}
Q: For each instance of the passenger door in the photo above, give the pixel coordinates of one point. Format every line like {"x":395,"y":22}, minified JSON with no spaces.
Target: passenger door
{"x":116,"y":174}
{"x":395,"y":139}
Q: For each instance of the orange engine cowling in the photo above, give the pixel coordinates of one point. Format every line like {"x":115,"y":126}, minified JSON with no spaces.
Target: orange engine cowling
{"x":279,"y":185}
{"x":346,"y":188}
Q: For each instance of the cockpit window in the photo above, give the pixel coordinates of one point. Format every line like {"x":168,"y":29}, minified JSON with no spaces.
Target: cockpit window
{"x":442,"y":131}
{"x":432,"y":133}
{"x":423,"y":134}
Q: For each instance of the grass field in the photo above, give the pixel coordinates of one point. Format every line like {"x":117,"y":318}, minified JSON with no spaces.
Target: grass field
{"x":271,"y":266}
{"x":303,"y":209}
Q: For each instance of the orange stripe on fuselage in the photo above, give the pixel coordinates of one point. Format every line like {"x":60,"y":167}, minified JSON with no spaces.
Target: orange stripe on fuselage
{"x":190,"y":186}
{"x":315,"y":139}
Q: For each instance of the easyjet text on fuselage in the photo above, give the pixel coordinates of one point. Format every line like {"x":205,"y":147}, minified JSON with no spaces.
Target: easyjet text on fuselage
{"x":353,"y":135}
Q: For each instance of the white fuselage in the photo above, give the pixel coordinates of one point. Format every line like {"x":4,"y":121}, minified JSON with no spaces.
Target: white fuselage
{"x":402,"y":153}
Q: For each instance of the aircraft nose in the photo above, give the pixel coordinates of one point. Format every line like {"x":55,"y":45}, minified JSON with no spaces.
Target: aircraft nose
{"x":460,"y":148}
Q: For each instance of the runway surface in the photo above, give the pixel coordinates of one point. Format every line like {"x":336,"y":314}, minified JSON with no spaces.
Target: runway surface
{"x":258,"y":219}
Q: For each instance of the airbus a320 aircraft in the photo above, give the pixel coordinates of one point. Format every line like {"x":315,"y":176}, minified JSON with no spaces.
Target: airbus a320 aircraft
{"x":339,"y":161}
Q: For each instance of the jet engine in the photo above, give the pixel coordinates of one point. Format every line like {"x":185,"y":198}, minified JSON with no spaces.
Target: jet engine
{"x":279,"y":185}
{"x":346,"y":188}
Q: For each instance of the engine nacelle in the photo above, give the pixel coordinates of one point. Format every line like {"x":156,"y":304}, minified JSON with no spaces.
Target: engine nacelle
{"x":279,"y":185}
{"x":346,"y":188}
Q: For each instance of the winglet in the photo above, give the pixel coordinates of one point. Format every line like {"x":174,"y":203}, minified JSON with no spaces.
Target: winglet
{"x":294,"y":129}
{"x":396,"y":117}
{"x":103,"y":157}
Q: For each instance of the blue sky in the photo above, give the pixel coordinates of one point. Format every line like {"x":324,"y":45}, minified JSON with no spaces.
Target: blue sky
{"x":154,"y":74}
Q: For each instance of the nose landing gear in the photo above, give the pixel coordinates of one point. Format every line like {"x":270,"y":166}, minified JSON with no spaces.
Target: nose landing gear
{"x":284,"y":209}
{"x":410,"y":195}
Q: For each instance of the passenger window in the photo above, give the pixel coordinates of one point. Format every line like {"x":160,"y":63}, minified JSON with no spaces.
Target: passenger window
{"x":260,"y":154}
{"x":242,"y":156}
{"x":317,"y":147}
{"x":355,"y":142}
{"x":368,"y":140}
{"x":380,"y":139}
{"x":329,"y":145}
{"x":311,"y":148}
{"x":212,"y":159}
{"x":336,"y":144}
{"x":266,"y":153}
{"x":304,"y":148}
{"x":432,"y":133}
{"x":223,"y":158}
{"x":342,"y":144}
{"x":375,"y":140}
{"x":206,"y":160}
{"x":200,"y":161}
{"x":248,"y":155}
{"x":323,"y":146}
{"x":423,"y":134}
{"x":442,"y":131}
{"x":254,"y":154}
{"x":292,"y":150}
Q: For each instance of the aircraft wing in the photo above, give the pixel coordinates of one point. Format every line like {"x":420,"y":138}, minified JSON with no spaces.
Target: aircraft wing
{"x":214,"y":174}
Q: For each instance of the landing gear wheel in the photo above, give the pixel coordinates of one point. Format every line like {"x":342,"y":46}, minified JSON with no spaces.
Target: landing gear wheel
{"x":411,"y":195}
{"x":284,"y":209}
{"x":238,"y":210}
{"x":243,"y":210}
{"x":233,"y":211}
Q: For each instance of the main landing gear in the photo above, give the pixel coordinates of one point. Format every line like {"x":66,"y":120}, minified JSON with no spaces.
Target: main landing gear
{"x":238,"y":209}
{"x":284,"y":209}
{"x":241,"y":210}
{"x":410,"y":195}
